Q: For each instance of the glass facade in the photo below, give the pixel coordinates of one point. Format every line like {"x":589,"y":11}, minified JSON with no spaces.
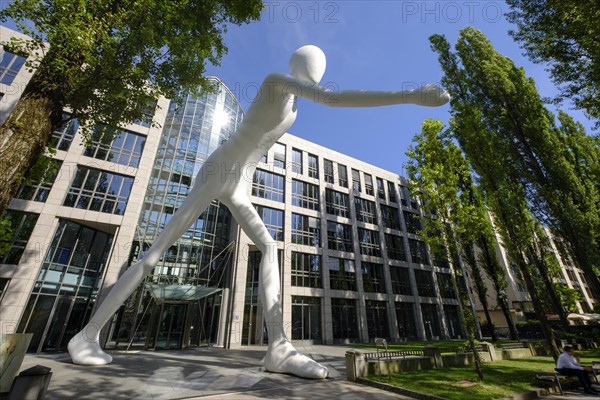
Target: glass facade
{"x":193,"y":129}
{"x":22,"y":225}
{"x":306,"y":270}
{"x":337,"y":203}
{"x":121,"y":147}
{"x":96,"y":190}
{"x":268,"y":185}
{"x":39,"y":189}
{"x":306,"y":230}
{"x":10,"y":65}
{"x":305,"y":195}
{"x":66,"y":287}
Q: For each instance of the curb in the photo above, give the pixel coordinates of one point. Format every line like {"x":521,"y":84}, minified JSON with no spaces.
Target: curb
{"x":399,"y":390}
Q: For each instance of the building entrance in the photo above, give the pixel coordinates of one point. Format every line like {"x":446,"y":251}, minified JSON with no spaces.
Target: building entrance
{"x":167,"y":326}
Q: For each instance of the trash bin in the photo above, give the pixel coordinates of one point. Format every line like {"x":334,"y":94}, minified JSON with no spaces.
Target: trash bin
{"x":31,"y":384}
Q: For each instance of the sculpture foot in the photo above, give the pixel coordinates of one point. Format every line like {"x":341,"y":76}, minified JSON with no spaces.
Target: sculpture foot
{"x":431,"y":95}
{"x":86,"y":351}
{"x":283,"y":358}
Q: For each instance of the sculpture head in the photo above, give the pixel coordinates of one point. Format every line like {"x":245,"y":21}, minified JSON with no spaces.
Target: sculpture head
{"x":308,"y":63}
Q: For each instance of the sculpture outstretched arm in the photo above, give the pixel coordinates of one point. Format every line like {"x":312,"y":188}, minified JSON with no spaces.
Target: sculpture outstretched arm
{"x":428,"y":95}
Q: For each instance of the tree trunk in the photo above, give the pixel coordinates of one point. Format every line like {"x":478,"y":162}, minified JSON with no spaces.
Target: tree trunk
{"x":539,"y":309}
{"x":24,"y":136}
{"x":501,"y":299}
{"x":482,"y":294}
{"x":494,"y":271}
{"x":554,"y":299}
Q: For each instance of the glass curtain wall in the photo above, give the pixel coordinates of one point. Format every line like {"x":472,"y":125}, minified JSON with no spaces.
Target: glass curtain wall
{"x":194,"y":128}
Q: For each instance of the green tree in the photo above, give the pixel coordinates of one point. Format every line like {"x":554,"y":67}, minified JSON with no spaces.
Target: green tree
{"x":107,"y":61}
{"x":437,"y":173}
{"x":473,"y":82}
{"x":566,"y":36}
{"x":540,"y":153}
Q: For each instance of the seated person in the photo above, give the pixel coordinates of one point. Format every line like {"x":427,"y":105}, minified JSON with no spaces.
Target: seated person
{"x":566,"y":364}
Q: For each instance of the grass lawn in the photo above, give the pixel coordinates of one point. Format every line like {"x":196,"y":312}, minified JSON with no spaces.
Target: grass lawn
{"x":502,"y":378}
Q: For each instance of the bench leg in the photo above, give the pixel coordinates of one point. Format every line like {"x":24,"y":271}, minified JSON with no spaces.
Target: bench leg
{"x":559,"y":385}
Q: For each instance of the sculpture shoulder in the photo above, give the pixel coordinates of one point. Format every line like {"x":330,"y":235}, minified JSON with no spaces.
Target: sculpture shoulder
{"x":277,"y":78}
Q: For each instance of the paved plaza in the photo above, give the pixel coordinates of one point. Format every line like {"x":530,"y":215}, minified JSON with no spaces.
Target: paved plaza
{"x":210,"y":373}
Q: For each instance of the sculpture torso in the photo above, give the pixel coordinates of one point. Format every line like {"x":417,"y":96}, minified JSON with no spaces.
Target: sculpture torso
{"x":271,"y":115}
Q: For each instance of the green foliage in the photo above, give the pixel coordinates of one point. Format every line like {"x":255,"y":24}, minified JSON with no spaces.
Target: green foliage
{"x":108,"y":60}
{"x":6,"y":234}
{"x":564,"y":35}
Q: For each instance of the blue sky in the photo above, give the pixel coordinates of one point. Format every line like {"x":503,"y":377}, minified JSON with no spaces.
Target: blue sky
{"x":379,"y":45}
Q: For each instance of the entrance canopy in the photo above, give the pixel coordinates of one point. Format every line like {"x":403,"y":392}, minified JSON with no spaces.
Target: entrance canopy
{"x":169,"y":292}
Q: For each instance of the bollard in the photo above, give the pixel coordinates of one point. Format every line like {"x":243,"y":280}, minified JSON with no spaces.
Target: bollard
{"x":31,"y":384}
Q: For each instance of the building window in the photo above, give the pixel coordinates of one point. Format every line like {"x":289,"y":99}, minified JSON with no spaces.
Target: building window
{"x":342,"y":175}
{"x":339,"y":236}
{"x":372,"y":275}
{"x":418,"y":251}
{"x":405,"y":315}
{"x":431,"y":320}
{"x":328,"y":167}
{"x":62,"y":137}
{"x":267,"y":185}
{"x":369,"y":185}
{"x":39,"y":190}
{"x":21,"y":225}
{"x":305,"y":195}
{"x":404,"y":195}
{"x":67,"y":285}
{"x":101,"y":191}
{"x":263,"y":159}
{"x":390,"y":217}
{"x":453,"y":319}
{"x":121,"y":147}
{"x":342,"y":274}
{"x":306,"y":318}
{"x":446,"y":286}
{"x":401,"y":281}
{"x":391,"y":192}
{"x":306,"y":270}
{"x":3,"y":286}
{"x":440,"y":259}
{"x":356,"y":181}
{"x":380,"y":189}
{"x":425,"y":286}
{"x":369,"y":242}
{"x":345,"y":323}
{"x":377,"y":320}
{"x":313,"y":166}
{"x":337,"y":203}
{"x":365,"y":211}
{"x":273,"y":220}
{"x":306,"y":230}
{"x":395,"y":247}
{"x":10,"y":65}
{"x":279,"y":155}
{"x":297,"y":161}
{"x":413,"y":222}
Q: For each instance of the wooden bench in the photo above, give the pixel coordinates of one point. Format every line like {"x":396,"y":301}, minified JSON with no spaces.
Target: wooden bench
{"x":553,"y":377}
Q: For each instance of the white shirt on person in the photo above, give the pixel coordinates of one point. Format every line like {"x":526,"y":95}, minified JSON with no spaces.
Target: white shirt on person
{"x":565,"y":360}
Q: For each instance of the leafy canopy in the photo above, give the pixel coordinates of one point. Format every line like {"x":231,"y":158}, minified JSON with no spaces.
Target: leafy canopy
{"x":108,"y":60}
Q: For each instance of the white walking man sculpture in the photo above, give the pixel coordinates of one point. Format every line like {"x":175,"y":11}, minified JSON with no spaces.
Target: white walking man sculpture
{"x":269,"y":117}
